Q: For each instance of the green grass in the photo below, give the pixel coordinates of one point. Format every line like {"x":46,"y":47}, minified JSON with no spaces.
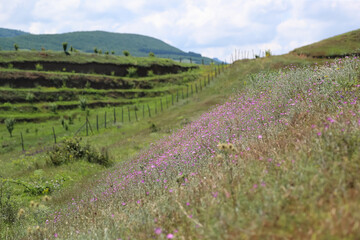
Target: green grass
{"x":340,"y":45}
{"x":252,"y":214}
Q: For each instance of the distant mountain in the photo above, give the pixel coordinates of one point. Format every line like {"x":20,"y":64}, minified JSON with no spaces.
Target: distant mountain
{"x":137,"y":45}
{"x":4,"y":32}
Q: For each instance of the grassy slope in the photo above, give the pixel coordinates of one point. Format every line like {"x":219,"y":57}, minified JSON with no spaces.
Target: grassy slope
{"x":340,"y":45}
{"x":298,"y":181}
{"x":137,"y":136}
{"x":137,"y":45}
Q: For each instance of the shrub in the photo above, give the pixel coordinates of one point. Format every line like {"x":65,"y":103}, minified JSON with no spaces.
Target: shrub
{"x":39,"y":67}
{"x":9,"y":123}
{"x":126,"y":53}
{"x":95,"y":50}
{"x":151,"y":54}
{"x":112,"y":52}
{"x":131,"y":71}
{"x":16,"y":47}
{"x":83,"y":104}
{"x":53,"y":107}
{"x":150,"y":73}
{"x":30,"y":97}
{"x":10,"y":66}
{"x":64,"y":44}
{"x":87,"y":85}
{"x":72,"y":150}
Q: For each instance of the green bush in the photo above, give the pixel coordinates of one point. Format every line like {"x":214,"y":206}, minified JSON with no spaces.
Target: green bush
{"x":39,"y":67}
{"x":150,"y":73}
{"x":83,"y":103}
{"x":16,"y":47}
{"x":30,"y":97}
{"x":53,"y":107}
{"x":131,"y":71}
{"x":151,"y":54}
{"x":72,"y":150}
{"x":126,"y":53}
{"x":10,"y":122}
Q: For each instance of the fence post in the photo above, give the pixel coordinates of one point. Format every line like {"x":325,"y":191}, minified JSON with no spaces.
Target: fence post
{"x":192,"y":91}
{"x":86,"y":126}
{"x":135,"y":108}
{"x":182,"y":93}
{"x":114,"y":116}
{"x":129,"y":114}
{"x":155,"y":108}
{"x":122,"y":114}
{"x":177,"y":95}
{"x":54,"y":134}
{"x":97,"y":122}
{"x":172,"y":99}
{"x":149,"y":110}
{"x":161,"y":105}
{"x":22,"y":142}
{"x":143,"y":111}
{"x":196,"y":87}
{"x":105,"y":119}
{"x":167,"y":106}
{"x":208,"y":79}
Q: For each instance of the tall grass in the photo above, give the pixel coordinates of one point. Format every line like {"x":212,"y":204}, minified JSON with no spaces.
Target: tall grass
{"x":279,"y":160}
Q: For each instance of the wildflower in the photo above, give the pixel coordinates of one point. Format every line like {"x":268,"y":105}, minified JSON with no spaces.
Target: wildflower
{"x":222,"y":146}
{"x":32,"y":204}
{"x":319,"y":133}
{"x":46,"y":198}
{"x":259,"y":137}
{"x":21,"y":212}
{"x":158,"y":231}
{"x":170,"y":236}
{"x":55,"y":235}
{"x":29,"y":230}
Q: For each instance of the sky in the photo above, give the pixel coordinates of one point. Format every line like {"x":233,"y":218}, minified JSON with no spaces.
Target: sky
{"x":214,"y":28}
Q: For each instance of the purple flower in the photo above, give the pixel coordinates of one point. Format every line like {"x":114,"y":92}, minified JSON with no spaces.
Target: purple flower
{"x":158,"y":231}
{"x":170,"y":236}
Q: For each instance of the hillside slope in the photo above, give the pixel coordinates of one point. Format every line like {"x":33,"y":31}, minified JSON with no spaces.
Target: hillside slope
{"x":337,"y":46}
{"x":4,"y":32}
{"x":137,"y":45}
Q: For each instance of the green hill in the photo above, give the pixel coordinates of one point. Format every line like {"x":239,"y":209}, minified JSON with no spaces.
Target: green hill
{"x":340,"y":45}
{"x":137,"y":45}
{"x":4,"y":32}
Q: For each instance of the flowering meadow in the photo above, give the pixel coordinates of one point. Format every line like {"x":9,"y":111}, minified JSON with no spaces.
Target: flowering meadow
{"x":279,"y":160}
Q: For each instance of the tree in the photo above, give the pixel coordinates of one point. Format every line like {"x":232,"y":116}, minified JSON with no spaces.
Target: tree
{"x":95,"y":50}
{"x":10,"y":122}
{"x":64,"y":44}
{"x":126,"y":53}
{"x":16,"y":47}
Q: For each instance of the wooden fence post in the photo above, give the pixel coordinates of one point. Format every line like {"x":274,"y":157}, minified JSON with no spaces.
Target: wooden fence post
{"x":114,"y":116}
{"x":97,"y":122}
{"x":129,"y":114}
{"x":105,"y":119}
{"x":54,"y":134}
{"x":22,"y":142}
{"x":149,"y":110}
{"x":135,"y":108}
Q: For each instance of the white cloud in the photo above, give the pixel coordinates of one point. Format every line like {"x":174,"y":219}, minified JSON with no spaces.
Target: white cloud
{"x":214,"y":28}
